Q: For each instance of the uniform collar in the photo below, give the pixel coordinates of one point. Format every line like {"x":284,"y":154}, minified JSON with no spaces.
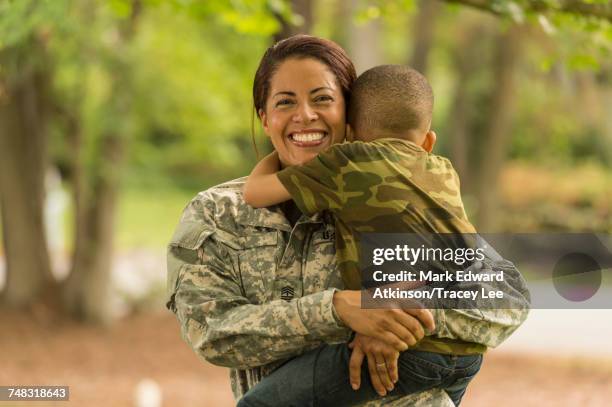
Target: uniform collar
{"x":272,"y":217}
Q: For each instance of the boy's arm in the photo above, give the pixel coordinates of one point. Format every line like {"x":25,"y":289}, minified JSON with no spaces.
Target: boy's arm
{"x":263,"y":187}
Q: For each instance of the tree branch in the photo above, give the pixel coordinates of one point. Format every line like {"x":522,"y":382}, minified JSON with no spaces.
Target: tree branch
{"x":581,"y":8}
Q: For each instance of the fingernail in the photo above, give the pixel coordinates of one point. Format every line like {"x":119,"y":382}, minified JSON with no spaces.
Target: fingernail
{"x":383,"y":393}
{"x":354,"y":386}
{"x":390,"y":388}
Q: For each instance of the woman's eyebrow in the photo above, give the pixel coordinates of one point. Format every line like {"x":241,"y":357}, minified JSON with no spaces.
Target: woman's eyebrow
{"x":321,"y":88}
{"x":289,"y":93}
{"x":284,"y":92}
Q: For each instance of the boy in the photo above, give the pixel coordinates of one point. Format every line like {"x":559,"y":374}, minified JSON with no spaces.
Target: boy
{"x":385,"y":181}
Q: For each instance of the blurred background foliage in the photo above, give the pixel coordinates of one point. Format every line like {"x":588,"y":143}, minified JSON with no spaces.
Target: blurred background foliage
{"x":144,"y":103}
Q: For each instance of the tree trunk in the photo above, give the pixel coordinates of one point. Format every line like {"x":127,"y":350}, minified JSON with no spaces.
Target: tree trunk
{"x":423,"y":33}
{"x":466,"y":63}
{"x":343,"y":18}
{"x":364,"y":44}
{"x":498,"y":128}
{"x":458,"y":128}
{"x":86,"y":292}
{"x":304,"y":9}
{"x":23,"y":159}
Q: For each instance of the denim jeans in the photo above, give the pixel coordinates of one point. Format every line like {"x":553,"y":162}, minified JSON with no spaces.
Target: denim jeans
{"x":321,"y":378}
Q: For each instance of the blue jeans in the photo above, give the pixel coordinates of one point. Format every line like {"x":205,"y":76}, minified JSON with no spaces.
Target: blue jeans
{"x":321,"y":378}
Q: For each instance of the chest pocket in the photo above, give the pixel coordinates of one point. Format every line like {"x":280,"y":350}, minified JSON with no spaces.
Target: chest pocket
{"x":257,"y":261}
{"x":322,"y":268}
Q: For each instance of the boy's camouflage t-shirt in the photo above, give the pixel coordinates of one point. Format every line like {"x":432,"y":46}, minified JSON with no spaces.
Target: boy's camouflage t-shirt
{"x":386,"y":186}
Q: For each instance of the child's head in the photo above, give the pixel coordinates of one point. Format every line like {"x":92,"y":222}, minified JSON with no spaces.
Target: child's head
{"x":391,"y":101}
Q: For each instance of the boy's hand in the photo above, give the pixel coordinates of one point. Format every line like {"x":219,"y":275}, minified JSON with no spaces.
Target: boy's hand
{"x":382,"y":363}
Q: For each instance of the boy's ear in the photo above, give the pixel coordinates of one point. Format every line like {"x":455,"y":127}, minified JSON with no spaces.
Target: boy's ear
{"x":430,"y":141}
{"x":264,"y":120}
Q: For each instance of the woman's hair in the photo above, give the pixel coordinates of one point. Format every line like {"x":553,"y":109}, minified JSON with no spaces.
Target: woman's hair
{"x":301,"y":46}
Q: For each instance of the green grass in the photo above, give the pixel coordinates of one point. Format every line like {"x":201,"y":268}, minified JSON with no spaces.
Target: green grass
{"x":147,"y":218}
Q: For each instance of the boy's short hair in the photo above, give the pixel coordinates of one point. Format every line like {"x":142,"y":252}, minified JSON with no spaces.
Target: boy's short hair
{"x":390,"y":99}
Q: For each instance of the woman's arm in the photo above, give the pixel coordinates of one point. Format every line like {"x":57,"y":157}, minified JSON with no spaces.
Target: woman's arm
{"x":263,"y":188}
{"x":222,"y":326}
{"x":488,"y":325}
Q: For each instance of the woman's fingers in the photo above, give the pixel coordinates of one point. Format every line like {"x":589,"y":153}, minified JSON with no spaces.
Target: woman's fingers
{"x":382,"y":369}
{"x":404,"y":334}
{"x":374,"y":377}
{"x":393,"y":340}
{"x":355,"y":367}
{"x":411,"y":325}
{"x":391,"y":362}
{"x":424,"y":316}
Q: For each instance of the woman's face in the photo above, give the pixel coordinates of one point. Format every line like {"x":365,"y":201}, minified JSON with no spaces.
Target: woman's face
{"x":305,"y":111}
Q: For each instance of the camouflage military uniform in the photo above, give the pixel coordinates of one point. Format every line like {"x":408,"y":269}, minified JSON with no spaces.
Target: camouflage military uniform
{"x":387,"y":185}
{"x":250,"y":290}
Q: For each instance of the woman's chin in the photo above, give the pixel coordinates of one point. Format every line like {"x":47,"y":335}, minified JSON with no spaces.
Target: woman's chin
{"x":303,"y":157}
{"x":303,"y":154}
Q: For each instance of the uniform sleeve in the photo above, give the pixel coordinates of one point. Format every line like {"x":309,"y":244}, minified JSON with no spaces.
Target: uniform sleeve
{"x":321,"y":184}
{"x":489,"y":326}
{"x":219,"y":322}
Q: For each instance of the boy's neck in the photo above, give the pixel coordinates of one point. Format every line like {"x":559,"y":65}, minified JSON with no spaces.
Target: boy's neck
{"x":372,"y":136}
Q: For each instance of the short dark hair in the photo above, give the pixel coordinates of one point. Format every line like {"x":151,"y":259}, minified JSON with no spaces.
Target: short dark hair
{"x":303,"y":46}
{"x":391,"y":99}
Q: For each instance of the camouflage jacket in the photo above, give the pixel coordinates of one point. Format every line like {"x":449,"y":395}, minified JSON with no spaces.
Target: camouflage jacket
{"x":250,"y":291}
{"x":387,"y":185}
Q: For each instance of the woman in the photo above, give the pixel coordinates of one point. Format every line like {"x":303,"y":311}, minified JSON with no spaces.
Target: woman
{"x":254,"y":287}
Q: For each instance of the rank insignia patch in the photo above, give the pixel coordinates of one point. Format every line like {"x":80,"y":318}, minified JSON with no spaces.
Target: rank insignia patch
{"x":287,"y":293}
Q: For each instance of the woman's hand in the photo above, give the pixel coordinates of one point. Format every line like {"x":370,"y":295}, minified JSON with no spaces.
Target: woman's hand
{"x":399,"y":328}
{"x":382,"y":363}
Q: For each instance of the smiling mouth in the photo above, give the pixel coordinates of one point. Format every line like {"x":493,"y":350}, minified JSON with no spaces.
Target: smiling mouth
{"x":308,"y":139}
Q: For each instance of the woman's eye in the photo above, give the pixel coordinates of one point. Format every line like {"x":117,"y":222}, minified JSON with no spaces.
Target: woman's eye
{"x":324,"y":98}
{"x":283,"y":102}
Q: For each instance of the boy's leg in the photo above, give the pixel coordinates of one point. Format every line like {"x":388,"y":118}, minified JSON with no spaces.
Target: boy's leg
{"x":317,"y":378}
{"x":321,"y":377}
{"x":420,"y":370}
{"x":466,"y":368}
{"x":289,"y":385}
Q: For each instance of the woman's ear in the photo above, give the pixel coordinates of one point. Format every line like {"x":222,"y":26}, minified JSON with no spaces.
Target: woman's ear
{"x":430,"y":141}
{"x":264,"y":120}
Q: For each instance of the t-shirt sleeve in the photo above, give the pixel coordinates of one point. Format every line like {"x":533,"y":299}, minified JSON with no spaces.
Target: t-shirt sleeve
{"x":327,"y":181}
